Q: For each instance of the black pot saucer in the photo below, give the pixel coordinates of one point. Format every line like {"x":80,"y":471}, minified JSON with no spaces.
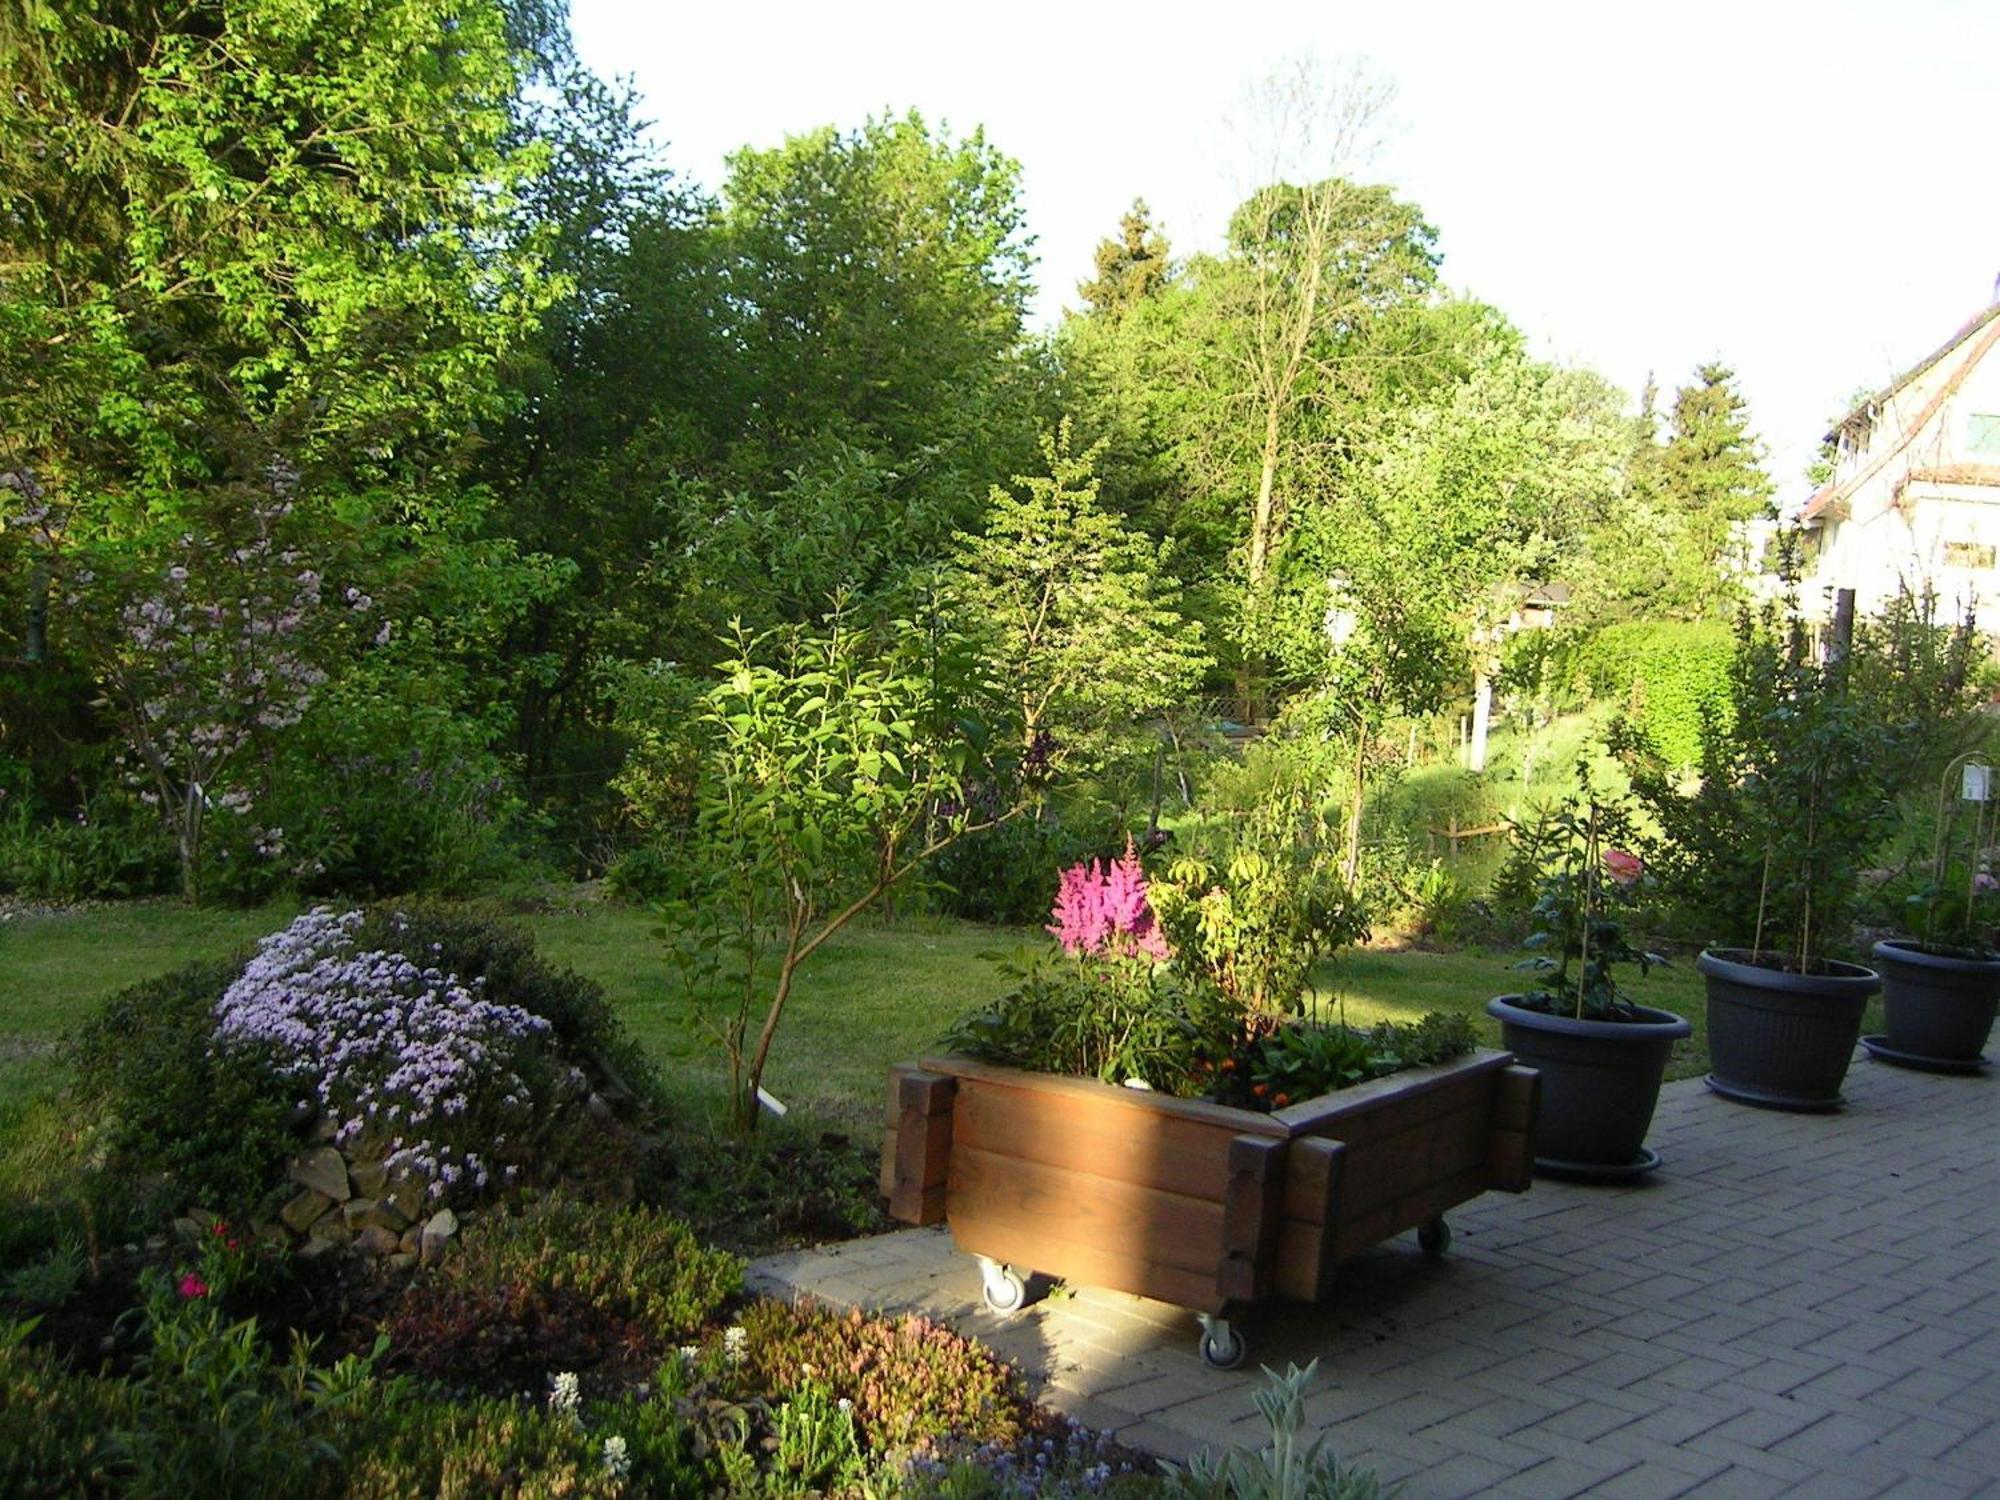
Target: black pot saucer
{"x":1597,"y":1171}
{"x":1879,"y":1049}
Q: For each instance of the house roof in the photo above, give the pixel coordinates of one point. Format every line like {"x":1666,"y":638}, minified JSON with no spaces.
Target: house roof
{"x":1830,"y":495}
{"x":1864,"y":410}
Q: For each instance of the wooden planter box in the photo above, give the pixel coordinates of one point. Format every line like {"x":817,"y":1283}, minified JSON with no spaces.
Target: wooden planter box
{"x":1192,"y":1202}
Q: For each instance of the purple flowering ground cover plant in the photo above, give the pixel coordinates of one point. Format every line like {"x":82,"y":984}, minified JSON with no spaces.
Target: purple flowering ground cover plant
{"x":408,"y":1060}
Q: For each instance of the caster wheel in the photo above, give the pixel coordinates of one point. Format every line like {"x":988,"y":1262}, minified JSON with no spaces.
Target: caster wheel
{"x":1435,"y":1238}
{"x":1006,"y":1289}
{"x":1222,"y":1348}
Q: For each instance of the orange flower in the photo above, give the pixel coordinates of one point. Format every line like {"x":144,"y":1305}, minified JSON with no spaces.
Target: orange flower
{"x":1260,"y":1089}
{"x":1282,"y":1100}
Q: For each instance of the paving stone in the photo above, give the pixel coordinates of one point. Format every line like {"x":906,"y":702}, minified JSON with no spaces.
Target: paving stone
{"x":1796,"y":1305}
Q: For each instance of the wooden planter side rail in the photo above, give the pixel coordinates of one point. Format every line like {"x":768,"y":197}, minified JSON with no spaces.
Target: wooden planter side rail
{"x":1185,"y":1200}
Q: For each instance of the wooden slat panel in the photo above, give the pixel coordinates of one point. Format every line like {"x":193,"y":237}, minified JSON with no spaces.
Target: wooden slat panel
{"x":1391,"y":1114}
{"x":1300,"y":1272}
{"x":1407,"y":1212}
{"x":1121,"y":1268}
{"x":1517,"y":1099}
{"x":1510,"y":1161}
{"x":1459,"y":1144}
{"x":1142,"y":1101}
{"x":1081,"y":1209}
{"x":1324,"y":1115}
{"x":1510,"y":1148}
{"x":1250,"y":1216}
{"x":916,"y":1153}
{"x":1315,"y":1171}
{"x":1164,"y":1151}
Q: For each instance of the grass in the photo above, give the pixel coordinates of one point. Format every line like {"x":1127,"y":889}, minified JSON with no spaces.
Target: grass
{"x":877,"y":994}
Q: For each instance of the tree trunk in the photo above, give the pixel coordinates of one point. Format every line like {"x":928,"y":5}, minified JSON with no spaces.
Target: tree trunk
{"x":1350,"y":867}
{"x":1482,"y":721}
{"x":1261,"y":515}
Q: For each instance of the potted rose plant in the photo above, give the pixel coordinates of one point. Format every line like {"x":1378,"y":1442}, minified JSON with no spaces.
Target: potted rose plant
{"x":1601,"y":1055}
{"x":1940,"y":987}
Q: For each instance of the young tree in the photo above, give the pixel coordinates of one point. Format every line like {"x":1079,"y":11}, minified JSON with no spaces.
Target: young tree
{"x":840,"y":760}
{"x":1710,"y":483}
{"x":1073,"y":609}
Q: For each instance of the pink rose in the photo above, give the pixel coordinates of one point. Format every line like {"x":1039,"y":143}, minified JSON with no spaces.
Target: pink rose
{"x":1622,"y":867}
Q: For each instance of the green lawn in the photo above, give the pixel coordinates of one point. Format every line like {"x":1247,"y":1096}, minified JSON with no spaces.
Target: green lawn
{"x":876,"y":995}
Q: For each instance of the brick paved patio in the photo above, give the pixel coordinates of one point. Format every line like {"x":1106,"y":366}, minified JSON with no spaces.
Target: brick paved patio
{"x":1797,"y":1305}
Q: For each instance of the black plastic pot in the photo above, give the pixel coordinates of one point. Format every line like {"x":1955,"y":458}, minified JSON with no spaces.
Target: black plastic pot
{"x":1781,"y":1040}
{"x":1935,"y":1007}
{"x":1600,"y":1083}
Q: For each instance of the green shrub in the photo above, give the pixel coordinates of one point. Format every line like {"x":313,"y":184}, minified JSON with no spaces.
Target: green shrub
{"x":1007,"y":874}
{"x":562,"y":1284}
{"x":476,"y":1449}
{"x":913,"y":1382}
{"x":786,"y":1185}
{"x":1302,"y":1060}
{"x":1666,"y":676}
{"x":1107,"y":1018}
{"x":58,"y":1431}
{"x":110,"y":847}
{"x":216,"y":1123}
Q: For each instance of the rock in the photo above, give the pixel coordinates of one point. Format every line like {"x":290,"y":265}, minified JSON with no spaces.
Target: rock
{"x":187,"y":1229}
{"x":323,"y":1170}
{"x":598,"y":1107}
{"x":401,"y":1261}
{"x":408,"y":1244}
{"x":370,"y":1178}
{"x":331,"y":1231}
{"x":325,"y":1128}
{"x":375,"y":1240}
{"x":360,"y":1213}
{"x":409,"y":1196}
{"x":437,"y":1233}
{"x":302,"y":1212}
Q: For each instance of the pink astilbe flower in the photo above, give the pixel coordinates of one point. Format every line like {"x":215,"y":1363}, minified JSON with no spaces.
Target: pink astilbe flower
{"x":1100,"y":910}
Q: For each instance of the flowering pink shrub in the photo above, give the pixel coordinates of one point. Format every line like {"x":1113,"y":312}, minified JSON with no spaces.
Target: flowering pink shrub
{"x":1103,"y":909}
{"x":394,"y":1051}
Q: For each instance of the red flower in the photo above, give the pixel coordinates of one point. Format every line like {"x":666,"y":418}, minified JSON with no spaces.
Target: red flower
{"x":193,"y":1286}
{"x":1623,"y":868}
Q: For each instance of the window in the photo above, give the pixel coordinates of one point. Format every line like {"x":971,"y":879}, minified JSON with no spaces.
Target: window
{"x":1982,"y":432}
{"x":1968,"y":555}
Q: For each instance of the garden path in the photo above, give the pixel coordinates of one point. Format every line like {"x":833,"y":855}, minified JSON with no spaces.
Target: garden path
{"x":1797,"y":1305}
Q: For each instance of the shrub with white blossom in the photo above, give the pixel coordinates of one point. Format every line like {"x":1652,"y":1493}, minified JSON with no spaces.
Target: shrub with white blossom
{"x":406,"y":1058}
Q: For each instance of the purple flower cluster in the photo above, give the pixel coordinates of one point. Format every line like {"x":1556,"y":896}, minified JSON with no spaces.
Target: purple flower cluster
{"x":396,"y":1052}
{"x":1103,"y":909}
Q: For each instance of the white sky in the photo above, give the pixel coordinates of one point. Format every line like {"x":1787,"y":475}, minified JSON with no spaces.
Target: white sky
{"x":1809,"y":191}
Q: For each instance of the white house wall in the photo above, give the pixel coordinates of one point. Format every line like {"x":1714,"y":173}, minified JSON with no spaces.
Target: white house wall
{"x":1896,"y":523}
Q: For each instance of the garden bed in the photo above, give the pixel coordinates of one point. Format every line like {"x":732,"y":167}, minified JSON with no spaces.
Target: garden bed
{"x":1192,"y":1202}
